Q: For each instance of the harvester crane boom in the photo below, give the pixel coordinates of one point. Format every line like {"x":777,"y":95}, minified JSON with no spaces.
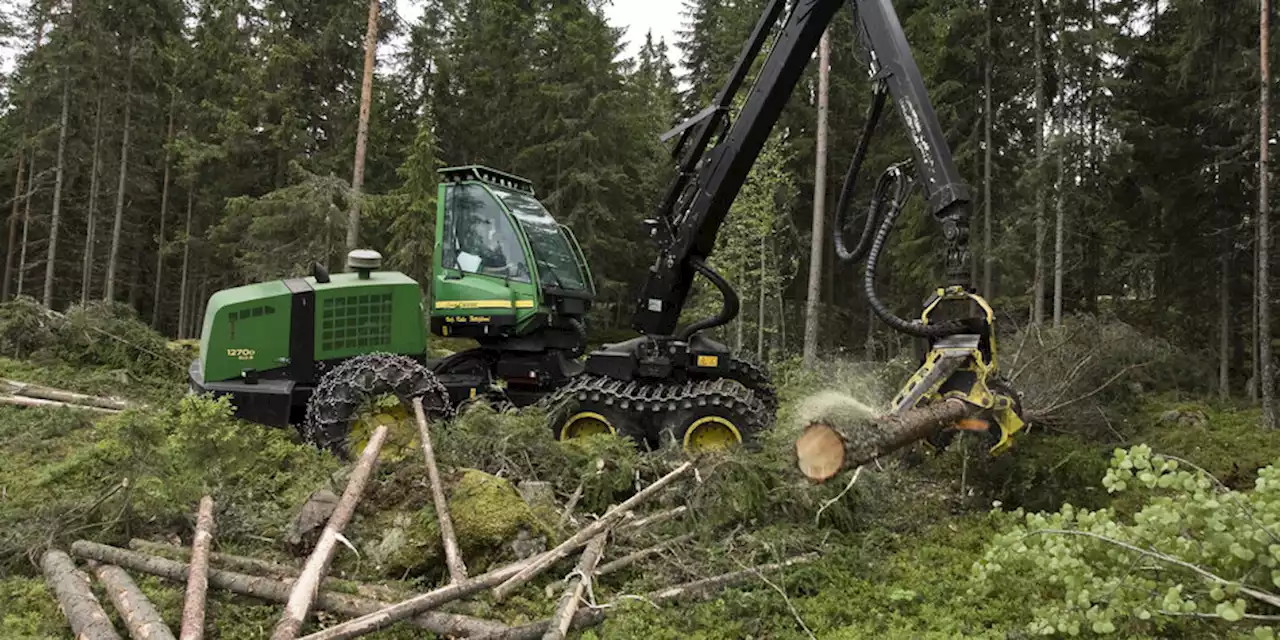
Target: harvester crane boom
{"x":708,"y":178}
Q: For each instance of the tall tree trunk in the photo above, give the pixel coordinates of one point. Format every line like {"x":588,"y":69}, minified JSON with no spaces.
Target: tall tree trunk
{"x":764,"y":271}
{"x":819,"y":204}
{"x":114,"y":257}
{"x":90,"y":239}
{"x":13,"y":225}
{"x":164,"y":210}
{"x":1264,"y":224}
{"x":23,"y":145}
{"x":988,"y":260}
{"x":26,"y":224}
{"x":51,"y":256}
{"x":1059,"y":118}
{"x":362,"y":129}
{"x":1037,"y":303}
{"x":1224,"y":325}
{"x":186,"y":266}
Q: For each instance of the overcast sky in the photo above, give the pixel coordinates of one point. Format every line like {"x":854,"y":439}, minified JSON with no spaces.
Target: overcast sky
{"x":663,"y":17}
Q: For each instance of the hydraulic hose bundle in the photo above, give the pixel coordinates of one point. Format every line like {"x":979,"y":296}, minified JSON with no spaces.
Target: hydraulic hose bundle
{"x":869,"y":245}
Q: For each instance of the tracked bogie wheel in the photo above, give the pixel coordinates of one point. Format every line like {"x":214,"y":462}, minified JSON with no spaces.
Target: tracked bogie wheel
{"x":351,"y":400}
{"x":584,"y":410}
{"x":698,"y":415}
{"x":717,"y":415}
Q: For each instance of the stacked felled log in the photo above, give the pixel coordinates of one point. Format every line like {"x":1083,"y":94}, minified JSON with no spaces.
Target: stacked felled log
{"x":303,"y":591}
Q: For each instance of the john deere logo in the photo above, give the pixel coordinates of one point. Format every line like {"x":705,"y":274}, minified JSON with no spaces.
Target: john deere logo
{"x":241,"y":354}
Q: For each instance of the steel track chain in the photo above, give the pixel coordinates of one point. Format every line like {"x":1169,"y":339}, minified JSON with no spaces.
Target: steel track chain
{"x":345,"y":387}
{"x":657,"y":398}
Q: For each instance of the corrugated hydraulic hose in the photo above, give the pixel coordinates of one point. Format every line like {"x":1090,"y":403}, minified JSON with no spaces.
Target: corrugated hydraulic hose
{"x":894,"y":175}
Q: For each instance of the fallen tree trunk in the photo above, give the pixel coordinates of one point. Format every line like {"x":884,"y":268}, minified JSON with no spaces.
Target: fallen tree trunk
{"x":139,"y":615}
{"x":388,"y":616}
{"x":452,"y":557}
{"x":636,"y":556}
{"x":14,"y":387}
{"x":839,"y":441}
{"x":198,"y":577}
{"x":83,"y":611}
{"x":661,"y":516}
{"x":568,"y":605}
{"x":544,"y":561}
{"x":23,"y":401}
{"x":687,"y":592}
{"x":308,"y":583}
{"x":278,"y":591}
{"x":238,"y":563}
{"x":259,"y":567}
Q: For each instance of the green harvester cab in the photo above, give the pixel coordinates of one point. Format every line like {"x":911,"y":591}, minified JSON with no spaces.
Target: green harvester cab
{"x":505,"y":274}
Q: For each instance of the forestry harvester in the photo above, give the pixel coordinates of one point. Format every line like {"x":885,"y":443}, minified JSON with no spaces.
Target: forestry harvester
{"x":310,"y":350}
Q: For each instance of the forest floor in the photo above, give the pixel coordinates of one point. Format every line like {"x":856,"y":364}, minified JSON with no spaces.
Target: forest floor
{"x":898,"y":548}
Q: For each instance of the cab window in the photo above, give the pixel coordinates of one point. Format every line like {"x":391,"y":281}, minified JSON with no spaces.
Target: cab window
{"x":479,"y":237}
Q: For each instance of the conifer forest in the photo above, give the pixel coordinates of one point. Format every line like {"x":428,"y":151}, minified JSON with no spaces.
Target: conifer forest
{"x":1116,"y":159}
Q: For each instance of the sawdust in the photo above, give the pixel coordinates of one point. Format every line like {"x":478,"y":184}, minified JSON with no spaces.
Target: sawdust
{"x":833,"y":407}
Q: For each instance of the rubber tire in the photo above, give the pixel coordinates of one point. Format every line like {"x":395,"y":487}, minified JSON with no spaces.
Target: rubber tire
{"x":349,"y":385}
{"x":678,"y":423}
{"x":628,"y":424}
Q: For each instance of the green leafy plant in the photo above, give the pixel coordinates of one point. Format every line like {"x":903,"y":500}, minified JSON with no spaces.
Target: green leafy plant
{"x":1189,"y":554}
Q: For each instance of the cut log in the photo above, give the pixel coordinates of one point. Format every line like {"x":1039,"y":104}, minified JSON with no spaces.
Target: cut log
{"x":543,"y":562}
{"x":308,"y":583}
{"x":259,"y":567}
{"x":687,"y":592}
{"x":23,"y":401}
{"x":139,"y":615}
{"x":636,"y":556}
{"x":830,"y":446}
{"x":238,"y":563}
{"x":14,"y":387}
{"x":388,"y":616}
{"x":661,"y":516}
{"x":578,"y":584}
{"x":452,"y":557}
{"x":198,"y":577}
{"x":83,"y":611}
{"x":278,"y":591}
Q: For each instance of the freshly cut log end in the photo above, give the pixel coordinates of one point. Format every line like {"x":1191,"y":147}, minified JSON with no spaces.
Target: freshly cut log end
{"x":827,"y":448}
{"x":820,"y":452}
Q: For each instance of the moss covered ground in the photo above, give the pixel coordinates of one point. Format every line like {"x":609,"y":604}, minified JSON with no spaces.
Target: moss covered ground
{"x":898,"y":548}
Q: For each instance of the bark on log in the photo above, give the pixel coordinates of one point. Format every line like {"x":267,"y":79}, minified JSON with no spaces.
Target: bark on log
{"x":198,"y":577}
{"x":636,"y":556}
{"x":452,"y":557}
{"x":14,"y":387}
{"x":23,"y":401}
{"x":83,"y":611}
{"x":258,"y":567}
{"x":308,"y":584}
{"x":544,"y":561}
{"x":140,"y":616}
{"x":661,"y":516}
{"x":238,"y":563}
{"x":568,"y":604}
{"x":828,"y":447}
{"x":278,"y":590}
{"x":388,"y":616}
{"x":687,"y":592}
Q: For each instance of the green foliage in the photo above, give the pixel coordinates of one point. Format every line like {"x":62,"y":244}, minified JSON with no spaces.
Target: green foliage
{"x":111,"y":335}
{"x":1191,"y":556}
{"x":262,"y":233}
{"x":25,"y":327}
{"x":144,"y":470}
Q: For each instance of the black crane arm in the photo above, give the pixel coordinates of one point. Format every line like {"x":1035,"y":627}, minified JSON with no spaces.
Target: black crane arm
{"x":708,"y":178}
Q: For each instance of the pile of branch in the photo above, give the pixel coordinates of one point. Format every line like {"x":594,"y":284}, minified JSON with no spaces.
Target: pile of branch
{"x":306,"y":590}
{"x":23,"y":394}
